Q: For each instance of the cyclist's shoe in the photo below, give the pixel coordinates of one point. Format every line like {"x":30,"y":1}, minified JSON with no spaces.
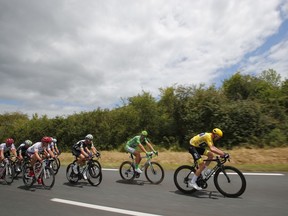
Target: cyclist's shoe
{"x":194,"y":185}
{"x":31,"y":173}
{"x":138,"y":170}
{"x":39,"y":180}
{"x":18,"y":169}
{"x":75,"y":169}
{"x":85,"y":175}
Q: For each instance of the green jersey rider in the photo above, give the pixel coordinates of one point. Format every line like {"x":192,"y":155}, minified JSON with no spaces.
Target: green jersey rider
{"x":136,"y":141}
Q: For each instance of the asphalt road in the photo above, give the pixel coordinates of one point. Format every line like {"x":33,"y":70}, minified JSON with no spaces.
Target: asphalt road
{"x":265,"y":195}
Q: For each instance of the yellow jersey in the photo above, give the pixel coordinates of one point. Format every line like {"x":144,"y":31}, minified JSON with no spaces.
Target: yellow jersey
{"x":202,"y":140}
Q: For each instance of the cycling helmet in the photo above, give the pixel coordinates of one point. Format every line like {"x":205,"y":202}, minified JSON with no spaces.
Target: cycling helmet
{"x":54,"y":140}
{"x":89,"y":137}
{"x":217,"y":131}
{"x":144,"y":133}
{"x":46,"y":140}
{"x":9,"y":141}
{"x":28,"y":142}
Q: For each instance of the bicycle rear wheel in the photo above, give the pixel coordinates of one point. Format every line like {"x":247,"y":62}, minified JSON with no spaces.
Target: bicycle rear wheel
{"x":70,"y":175}
{"x":182,"y":176}
{"x":230,"y":181}
{"x":48,"y":178}
{"x":154,"y":173}
{"x":94,"y":174}
{"x":127,"y":171}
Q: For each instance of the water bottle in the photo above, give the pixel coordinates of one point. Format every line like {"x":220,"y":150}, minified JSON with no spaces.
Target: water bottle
{"x":206,"y":172}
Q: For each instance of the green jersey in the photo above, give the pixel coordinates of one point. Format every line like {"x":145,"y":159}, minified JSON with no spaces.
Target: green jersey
{"x":135,"y":141}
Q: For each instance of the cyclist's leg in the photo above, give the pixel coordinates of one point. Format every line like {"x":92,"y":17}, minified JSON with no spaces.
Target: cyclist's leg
{"x":201,"y":164}
{"x":196,"y":153}
{"x":1,"y":155}
{"x":137,"y":156}
{"x":81,"y":160}
{"x":210,"y":156}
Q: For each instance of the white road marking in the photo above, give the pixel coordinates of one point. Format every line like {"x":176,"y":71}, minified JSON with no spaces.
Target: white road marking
{"x":257,"y":174}
{"x":265,"y":174}
{"x":108,"y":169}
{"x":103,"y":208}
{"x":251,"y":174}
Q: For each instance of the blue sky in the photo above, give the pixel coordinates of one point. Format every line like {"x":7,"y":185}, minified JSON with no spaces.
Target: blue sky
{"x":62,"y":57}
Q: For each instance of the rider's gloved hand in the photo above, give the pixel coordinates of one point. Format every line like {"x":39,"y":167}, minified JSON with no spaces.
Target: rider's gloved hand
{"x":90,"y":154}
{"x":148,"y":154}
{"x":226,"y":156}
{"x":155,"y":152}
{"x":98,"y":154}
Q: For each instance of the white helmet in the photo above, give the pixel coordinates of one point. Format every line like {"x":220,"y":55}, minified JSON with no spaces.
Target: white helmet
{"x":89,"y":137}
{"x":54,"y":140}
{"x":28,"y":142}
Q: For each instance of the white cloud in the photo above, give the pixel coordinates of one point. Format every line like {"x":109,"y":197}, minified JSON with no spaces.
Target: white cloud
{"x":65,"y":56}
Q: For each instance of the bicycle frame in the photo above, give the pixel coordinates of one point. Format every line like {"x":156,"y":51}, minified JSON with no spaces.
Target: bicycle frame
{"x":147,"y":162}
{"x":218,"y":166}
{"x":43,"y":165}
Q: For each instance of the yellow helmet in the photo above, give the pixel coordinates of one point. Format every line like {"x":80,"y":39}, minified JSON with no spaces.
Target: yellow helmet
{"x":218,"y":132}
{"x":144,"y":133}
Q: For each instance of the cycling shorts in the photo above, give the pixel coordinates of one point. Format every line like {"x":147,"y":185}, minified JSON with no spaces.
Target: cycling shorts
{"x":129,"y":149}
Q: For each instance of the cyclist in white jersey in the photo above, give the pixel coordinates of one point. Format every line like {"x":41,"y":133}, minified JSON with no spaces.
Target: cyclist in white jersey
{"x":5,"y":149}
{"x":54,"y":147}
{"x":39,"y":148}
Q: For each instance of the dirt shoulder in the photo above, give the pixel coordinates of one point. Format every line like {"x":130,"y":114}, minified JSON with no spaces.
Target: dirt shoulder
{"x":275,"y":159}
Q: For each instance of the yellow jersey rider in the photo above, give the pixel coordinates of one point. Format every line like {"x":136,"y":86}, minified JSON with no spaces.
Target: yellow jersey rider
{"x":203,"y":144}
{"x":139,"y":141}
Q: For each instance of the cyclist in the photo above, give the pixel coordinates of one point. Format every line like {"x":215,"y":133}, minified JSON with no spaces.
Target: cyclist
{"x":81,"y":151}
{"x":21,"y":151}
{"x":5,"y":149}
{"x":54,"y":147}
{"x":203,"y":144}
{"x":37,"y":149}
{"x":136,"y":141}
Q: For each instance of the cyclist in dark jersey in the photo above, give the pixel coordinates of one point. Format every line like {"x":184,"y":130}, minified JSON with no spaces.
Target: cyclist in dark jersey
{"x":81,"y":151}
{"x":22,"y":148}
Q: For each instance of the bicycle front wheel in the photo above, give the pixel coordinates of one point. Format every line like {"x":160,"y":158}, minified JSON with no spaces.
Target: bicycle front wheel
{"x":94,"y":174}
{"x":230,"y":181}
{"x":55,"y":165}
{"x":48,"y":178}
{"x":9,"y":174}
{"x":154,"y":173}
{"x":27,"y":178}
{"x":182,"y":176}
{"x":127,"y":170}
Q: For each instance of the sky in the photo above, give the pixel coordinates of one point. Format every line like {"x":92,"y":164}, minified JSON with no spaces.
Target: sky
{"x":62,"y":57}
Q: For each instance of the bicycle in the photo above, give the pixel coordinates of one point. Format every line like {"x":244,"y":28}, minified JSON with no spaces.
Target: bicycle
{"x":92,"y":169}
{"x":154,"y":172}
{"x":55,"y":164}
{"x":41,"y":172}
{"x":7,"y":171}
{"x":228,"y":180}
